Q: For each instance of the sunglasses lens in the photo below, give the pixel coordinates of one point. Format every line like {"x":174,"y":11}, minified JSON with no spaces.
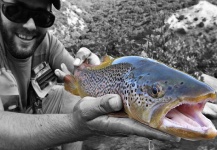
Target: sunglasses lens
{"x":15,"y":13}
{"x":19,"y":14}
{"x":43,"y":19}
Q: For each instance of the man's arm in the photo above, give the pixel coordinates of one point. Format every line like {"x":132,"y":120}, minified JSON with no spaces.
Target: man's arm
{"x":88,"y":118}
{"x":24,"y":131}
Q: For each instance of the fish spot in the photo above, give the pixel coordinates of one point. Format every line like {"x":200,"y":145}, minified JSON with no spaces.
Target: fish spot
{"x":133,"y":84}
{"x":169,"y":88}
{"x":140,"y":77}
{"x":181,"y":83}
{"x":165,"y":82}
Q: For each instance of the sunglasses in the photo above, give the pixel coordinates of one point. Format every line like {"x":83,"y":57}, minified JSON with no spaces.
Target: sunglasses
{"x":18,"y":13}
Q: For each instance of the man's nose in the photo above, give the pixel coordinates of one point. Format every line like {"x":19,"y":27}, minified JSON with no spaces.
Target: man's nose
{"x":30,"y":24}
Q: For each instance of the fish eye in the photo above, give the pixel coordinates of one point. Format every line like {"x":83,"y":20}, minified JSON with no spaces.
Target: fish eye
{"x":156,"y":91}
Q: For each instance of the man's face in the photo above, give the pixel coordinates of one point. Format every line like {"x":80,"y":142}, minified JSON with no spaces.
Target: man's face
{"x":22,"y":39}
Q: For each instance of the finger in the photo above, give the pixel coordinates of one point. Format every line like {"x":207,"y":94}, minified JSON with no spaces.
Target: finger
{"x":83,"y":54}
{"x":60,"y":74}
{"x":126,"y":126}
{"x":94,"y":107}
{"x":65,"y":69}
{"x":94,"y":59}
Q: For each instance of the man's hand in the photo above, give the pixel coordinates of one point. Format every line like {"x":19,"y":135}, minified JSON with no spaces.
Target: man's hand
{"x":90,"y":117}
{"x":84,"y":54}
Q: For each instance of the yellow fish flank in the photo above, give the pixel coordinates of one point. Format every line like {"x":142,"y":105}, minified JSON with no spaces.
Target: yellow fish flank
{"x":152,"y":93}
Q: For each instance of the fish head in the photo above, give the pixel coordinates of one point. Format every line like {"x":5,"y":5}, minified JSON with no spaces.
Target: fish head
{"x":169,"y":100}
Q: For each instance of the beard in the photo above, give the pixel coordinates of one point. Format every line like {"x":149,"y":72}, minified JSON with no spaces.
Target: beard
{"x":20,"y":50}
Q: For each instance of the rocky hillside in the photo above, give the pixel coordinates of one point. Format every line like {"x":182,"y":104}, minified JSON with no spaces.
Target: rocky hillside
{"x":135,"y":27}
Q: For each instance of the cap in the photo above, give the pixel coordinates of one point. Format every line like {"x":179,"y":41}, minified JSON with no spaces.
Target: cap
{"x":56,"y":4}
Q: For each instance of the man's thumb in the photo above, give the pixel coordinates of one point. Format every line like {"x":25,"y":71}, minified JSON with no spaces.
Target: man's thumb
{"x":101,"y":106}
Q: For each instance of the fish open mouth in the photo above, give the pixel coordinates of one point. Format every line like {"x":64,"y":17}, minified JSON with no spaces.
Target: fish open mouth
{"x":187,"y":121}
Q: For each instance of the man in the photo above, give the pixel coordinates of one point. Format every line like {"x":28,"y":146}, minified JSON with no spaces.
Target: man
{"x":26,"y":50}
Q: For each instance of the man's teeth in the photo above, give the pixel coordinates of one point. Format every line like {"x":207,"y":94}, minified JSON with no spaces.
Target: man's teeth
{"x":25,"y":37}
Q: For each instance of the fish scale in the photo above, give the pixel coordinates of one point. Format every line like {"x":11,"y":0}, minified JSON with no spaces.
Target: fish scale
{"x":103,"y":80}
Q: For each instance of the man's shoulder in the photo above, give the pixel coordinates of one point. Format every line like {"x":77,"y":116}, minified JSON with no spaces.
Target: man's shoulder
{"x":49,"y":43}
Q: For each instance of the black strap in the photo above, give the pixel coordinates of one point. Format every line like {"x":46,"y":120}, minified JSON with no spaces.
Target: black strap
{"x":34,"y":101}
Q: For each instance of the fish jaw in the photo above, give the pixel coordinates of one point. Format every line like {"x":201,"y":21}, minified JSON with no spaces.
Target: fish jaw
{"x":184,"y":119}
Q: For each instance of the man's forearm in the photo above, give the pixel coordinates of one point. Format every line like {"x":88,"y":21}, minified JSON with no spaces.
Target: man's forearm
{"x":25,"y":131}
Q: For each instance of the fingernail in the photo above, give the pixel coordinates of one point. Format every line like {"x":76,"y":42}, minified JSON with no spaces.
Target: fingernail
{"x":63,"y":65}
{"x":115,"y":103}
{"x":77,"y":62}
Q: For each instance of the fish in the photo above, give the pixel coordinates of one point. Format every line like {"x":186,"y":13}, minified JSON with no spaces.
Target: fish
{"x":152,"y":93}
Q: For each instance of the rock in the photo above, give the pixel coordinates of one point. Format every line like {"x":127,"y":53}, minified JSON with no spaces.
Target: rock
{"x":200,"y":17}
{"x":210,"y":81}
{"x":69,"y":23}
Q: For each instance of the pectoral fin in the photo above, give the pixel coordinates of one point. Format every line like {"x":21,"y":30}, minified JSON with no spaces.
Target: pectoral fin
{"x":71,"y":84}
{"x":107,"y":60}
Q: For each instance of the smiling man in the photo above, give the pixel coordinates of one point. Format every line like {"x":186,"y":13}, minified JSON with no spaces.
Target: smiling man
{"x":29,"y":56}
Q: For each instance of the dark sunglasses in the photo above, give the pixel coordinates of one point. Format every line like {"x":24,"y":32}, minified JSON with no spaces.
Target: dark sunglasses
{"x":18,"y":13}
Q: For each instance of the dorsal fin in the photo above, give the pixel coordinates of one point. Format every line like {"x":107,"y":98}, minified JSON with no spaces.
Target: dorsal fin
{"x":107,"y":61}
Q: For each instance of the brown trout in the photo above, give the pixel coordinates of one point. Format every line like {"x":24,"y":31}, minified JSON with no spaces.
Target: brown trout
{"x":152,"y":93}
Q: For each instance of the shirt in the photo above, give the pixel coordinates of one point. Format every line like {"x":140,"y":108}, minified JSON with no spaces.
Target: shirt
{"x":50,"y":50}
